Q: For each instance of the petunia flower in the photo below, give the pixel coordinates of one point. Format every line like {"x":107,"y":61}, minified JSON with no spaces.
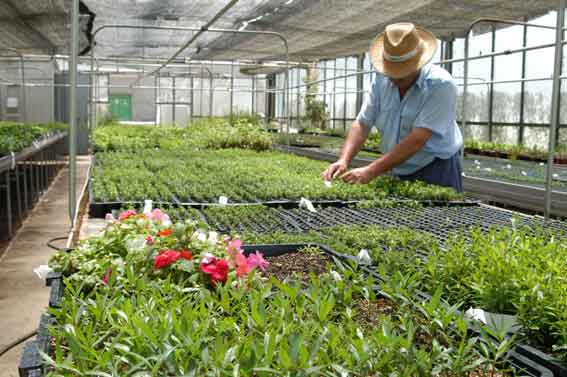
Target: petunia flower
{"x":165,"y":232}
{"x":158,"y":215}
{"x":241,"y":265}
{"x":257,"y":260}
{"x":165,"y":258}
{"x":127,"y":214}
{"x":234,"y":246}
{"x":217,"y":269}
{"x":149,"y":240}
{"x":185,"y":254}
{"x":109,"y":218}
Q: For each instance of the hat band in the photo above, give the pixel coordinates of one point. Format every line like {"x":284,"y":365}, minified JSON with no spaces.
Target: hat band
{"x":402,"y":58}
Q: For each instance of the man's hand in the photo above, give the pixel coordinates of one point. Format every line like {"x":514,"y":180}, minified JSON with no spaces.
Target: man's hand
{"x":334,"y":170}
{"x":359,"y":175}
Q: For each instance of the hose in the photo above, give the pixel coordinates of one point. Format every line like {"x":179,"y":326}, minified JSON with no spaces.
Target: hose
{"x":17,"y":342}
{"x":50,"y":244}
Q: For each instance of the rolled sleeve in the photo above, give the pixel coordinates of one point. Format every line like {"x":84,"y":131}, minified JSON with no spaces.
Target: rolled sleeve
{"x":439,"y":110}
{"x":369,"y":109}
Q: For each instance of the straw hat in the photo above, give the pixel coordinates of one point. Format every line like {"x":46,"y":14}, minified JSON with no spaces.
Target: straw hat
{"x":402,"y":50}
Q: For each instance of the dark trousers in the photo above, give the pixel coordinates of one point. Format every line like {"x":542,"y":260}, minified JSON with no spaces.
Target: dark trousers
{"x":440,"y":172}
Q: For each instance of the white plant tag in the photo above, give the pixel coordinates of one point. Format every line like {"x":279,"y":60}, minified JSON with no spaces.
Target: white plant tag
{"x":541,"y":164}
{"x":363,"y":257}
{"x":13,"y":162}
{"x":508,"y":166}
{"x":42,"y":271}
{"x":305,"y":203}
{"x":223,"y":200}
{"x":476,"y":162}
{"x":555,"y":175}
{"x":524,"y":173}
{"x":148,"y":205}
{"x":496,"y":321}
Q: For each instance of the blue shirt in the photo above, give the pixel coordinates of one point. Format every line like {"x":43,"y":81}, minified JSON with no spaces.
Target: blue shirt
{"x":430,"y":103}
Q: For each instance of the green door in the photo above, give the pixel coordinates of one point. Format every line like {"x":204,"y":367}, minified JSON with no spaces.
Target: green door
{"x":121,"y":106}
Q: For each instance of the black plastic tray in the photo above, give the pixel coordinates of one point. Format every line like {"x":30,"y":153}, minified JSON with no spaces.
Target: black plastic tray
{"x":525,"y":358}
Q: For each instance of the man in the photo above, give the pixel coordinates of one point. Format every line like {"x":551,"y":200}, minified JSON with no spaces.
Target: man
{"x":413,"y":105}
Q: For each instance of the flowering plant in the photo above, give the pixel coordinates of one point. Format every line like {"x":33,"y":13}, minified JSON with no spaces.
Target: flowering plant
{"x":153,"y":247}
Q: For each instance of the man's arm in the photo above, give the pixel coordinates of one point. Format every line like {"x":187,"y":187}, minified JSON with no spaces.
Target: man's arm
{"x":355,"y":139}
{"x":409,"y":146}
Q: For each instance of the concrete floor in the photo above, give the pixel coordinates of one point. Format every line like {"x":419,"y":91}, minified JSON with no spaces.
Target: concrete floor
{"x":23,"y":297}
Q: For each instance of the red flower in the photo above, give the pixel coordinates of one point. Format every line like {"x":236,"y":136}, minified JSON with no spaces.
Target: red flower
{"x":216,"y":268}
{"x":149,"y":240}
{"x":165,"y":258}
{"x":165,"y":232}
{"x":126,"y":214}
{"x":185,"y":254}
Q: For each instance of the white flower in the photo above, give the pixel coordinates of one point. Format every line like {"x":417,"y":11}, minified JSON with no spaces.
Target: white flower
{"x":476,"y":162}
{"x":508,"y":166}
{"x":336,"y":276}
{"x":555,"y":175}
{"x":134,"y":244}
{"x":199,"y":235}
{"x":328,"y":183}
{"x":109,"y":218}
{"x":213,"y":238}
{"x":363,"y":257}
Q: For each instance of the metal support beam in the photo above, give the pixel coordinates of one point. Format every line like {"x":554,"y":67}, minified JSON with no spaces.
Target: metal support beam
{"x":554,"y":105}
{"x":73,"y":107}
{"x":523,"y":88}
{"x":491,"y":87}
{"x":202,"y":30}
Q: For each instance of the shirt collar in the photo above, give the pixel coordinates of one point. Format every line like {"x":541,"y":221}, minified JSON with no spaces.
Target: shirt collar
{"x":420,"y":82}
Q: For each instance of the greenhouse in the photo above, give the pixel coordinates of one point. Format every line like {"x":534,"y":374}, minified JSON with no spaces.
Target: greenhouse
{"x":283,"y":188}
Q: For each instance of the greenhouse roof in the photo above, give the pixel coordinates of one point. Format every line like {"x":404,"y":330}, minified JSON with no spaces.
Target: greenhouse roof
{"x":315,"y":29}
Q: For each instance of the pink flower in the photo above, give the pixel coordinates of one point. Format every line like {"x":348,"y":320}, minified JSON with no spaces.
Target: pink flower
{"x":165,"y":258}
{"x":257,"y":260}
{"x":109,"y":218}
{"x":242,"y":267}
{"x":106,"y":276}
{"x":149,"y":240}
{"x":126,"y":214}
{"x":158,"y":215}
{"x":234,"y":246}
{"x":217,"y":269}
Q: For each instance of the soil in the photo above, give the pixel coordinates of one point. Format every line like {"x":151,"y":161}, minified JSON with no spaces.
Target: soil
{"x":299,"y":264}
{"x":370,"y":311}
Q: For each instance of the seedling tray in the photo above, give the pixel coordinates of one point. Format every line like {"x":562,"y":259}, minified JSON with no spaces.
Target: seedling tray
{"x":525,"y":358}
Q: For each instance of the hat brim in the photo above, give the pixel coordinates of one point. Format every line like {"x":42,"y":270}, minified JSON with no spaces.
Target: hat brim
{"x":403,"y":69}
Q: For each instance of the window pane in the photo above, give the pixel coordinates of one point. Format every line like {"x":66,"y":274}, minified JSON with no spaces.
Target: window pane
{"x":506,"y":106}
{"x":537,"y":101}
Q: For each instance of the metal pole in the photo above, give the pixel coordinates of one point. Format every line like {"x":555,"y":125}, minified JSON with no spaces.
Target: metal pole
{"x":173,"y":79}
{"x":23,"y":107}
{"x":491,"y":87}
{"x":211,"y":96}
{"x":554,"y":106}
{"x":73,"y":107}
{"x":523,"y":88}
{"x":465,"y":85}
{"x":231,"y":89}
{"x":92,"y":91}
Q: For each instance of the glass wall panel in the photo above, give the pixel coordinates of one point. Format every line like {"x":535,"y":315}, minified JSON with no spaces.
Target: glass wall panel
{"x":506,"y":107}
{"x":537,"y":101}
